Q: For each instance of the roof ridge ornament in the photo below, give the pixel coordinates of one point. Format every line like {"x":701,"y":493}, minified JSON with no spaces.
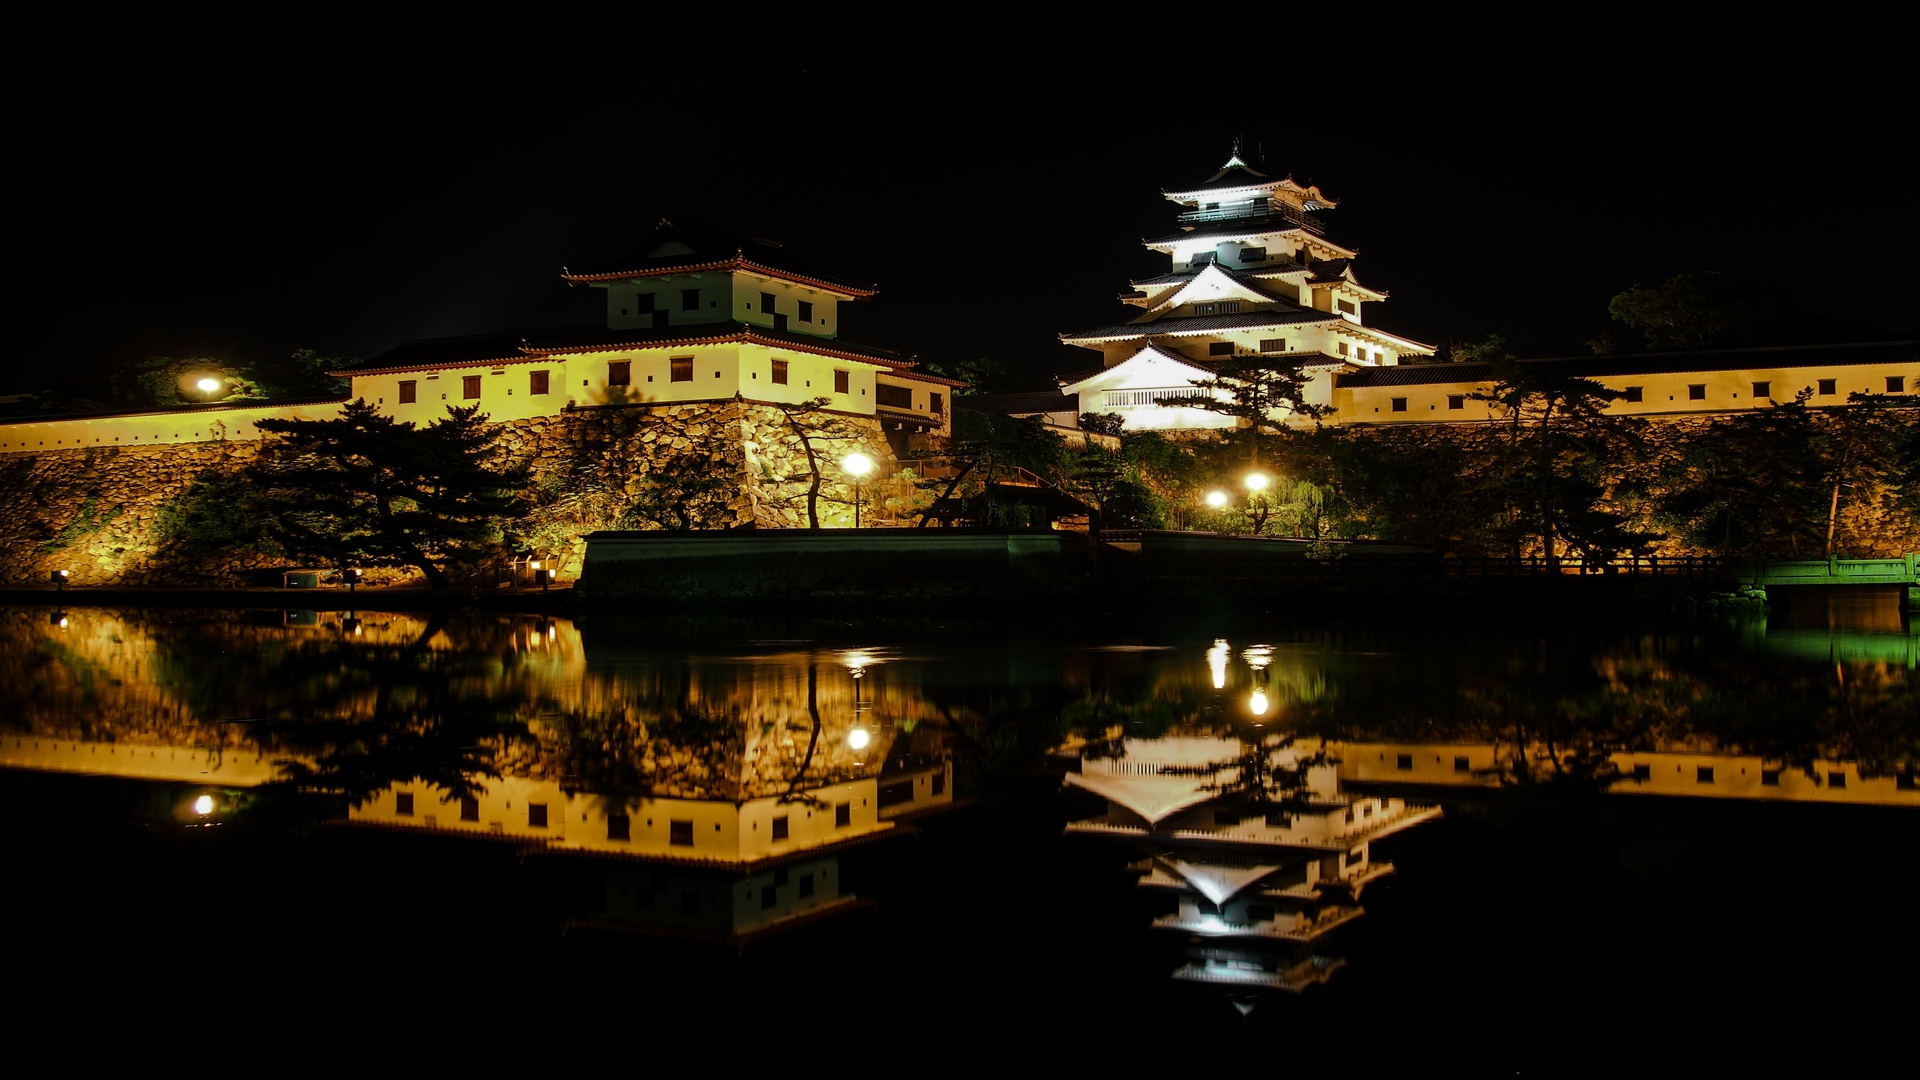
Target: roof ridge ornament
{"x":1234,"y":159}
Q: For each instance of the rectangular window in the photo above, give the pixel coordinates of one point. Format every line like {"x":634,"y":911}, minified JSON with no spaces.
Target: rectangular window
{"x":409,"y":391}
{"x":1403,"y":761}
{"x":805,"y":885}
{"x":1827,"y":388}
{"x":1253,"y":255}
{"x":680,"y":369}
{"x":1343,"y":348}
{"x":1399,"y":404}
{"x":1769,"y":777}
{"x":1346,"y":307}
{"x":1273,"y":344}
{"x":936,"y":403}
{"x":689,"y":299}
{"x":680,"y":833}
{"x":1703,"y":774}
{"x":1230,"y":307}
{"x":619,"y":373}
{"x":1836,"y":779}
{"x":470,"y":387}
{"x":403,"y":803}
{"x":536,"y":382}
{"x":537,"y":815}
{"x":842,"y":380}
{"x":1456,"y":401}
{"x":1205,"y":309}
{"x":1200,"y":259}
{"x":619,"y":827}
{"x":1460,"y":765}
{"x":469,"y":808}
{"x":780,"y":827}
{"x":893,"y":397}
{"x":768,"y":303}
{"x":768,"y":897}
{"x":1762,"y":390}
{"x":1697,"y":392}
{"x":1643,"y":772}
{"x":1896,"y":384}
{"x":1634,"y":392}
{"x":842,"y":815}
{"x":1220,"y":348}
{"x":806,"y":311}
{"x":780,"y":372}
{"x":939,"y":783}
{"x":643,"y":304}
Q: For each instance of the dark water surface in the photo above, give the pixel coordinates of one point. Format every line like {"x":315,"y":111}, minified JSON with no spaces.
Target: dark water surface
{"x":1539,"y":850}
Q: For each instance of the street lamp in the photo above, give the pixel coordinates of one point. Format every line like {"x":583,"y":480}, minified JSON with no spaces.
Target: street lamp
{"x":209,"y":385}
{"x":1256,"y":481}
{"x":856,"y":465}
{"x":1217,"y":499}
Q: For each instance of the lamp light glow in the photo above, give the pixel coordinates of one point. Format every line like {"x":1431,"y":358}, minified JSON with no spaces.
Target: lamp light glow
{"x":1216,"y":499}
{"x":858,"y":738}
{"x":203,"y":805}
{"x":1256,"y":481}
{"x":1257,"y":703}
{"x":1217,"y":662}
{"x":857,"y":464}
{"x":208,"y":385}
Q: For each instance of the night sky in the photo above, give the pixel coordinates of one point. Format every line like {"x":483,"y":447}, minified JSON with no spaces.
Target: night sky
{"x":996,"y":194}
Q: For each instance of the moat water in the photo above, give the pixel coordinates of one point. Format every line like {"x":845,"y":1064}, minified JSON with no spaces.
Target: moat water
{"x":1503,"y":848}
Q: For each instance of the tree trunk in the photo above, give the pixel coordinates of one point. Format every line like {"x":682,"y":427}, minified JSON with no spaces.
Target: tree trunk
{"x":926,"y":515}
{"x":813,"y":470}
{"x":1833,"y":515}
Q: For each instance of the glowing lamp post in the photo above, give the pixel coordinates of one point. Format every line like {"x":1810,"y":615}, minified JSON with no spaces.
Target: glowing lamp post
{"x":541,"y":575}
{"x":858,"y":738}
{"x":208,"y":386}
{"x":352,"y":577}
{"x":59,"y":579}
{"x":1256,"y":482}
{"x":857,"y":465}
{"x":203,"y":805}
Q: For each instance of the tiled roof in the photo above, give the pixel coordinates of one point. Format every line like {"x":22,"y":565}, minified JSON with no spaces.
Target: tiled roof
{"x":1783,"y":356}
{"x":1038,"y":401}
{"x":1181,"y":277}
{"x":1202,"y":324}
{"x":1262,"y":226}
{"x":711,"y":250}
{"x":600,"y":339}
{"x":471,"y":350}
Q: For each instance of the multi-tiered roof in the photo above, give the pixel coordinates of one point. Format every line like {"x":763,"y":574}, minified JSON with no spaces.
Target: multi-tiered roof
{"x":1253,"y":273}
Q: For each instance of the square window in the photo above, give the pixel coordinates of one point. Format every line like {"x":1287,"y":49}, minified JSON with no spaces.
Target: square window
{"x":1836,"y":779}
{"x":805,"y":885}
{"x":1456,"y":401}
{"x":1343,"y":348}
{"x":403,"y":803}
{"x":469,"y":808}
{"x":1769,"y":777}
{"x":1643,"y":772}
{"x":1896,"y":384}
{"x":689,"y":299}
{"x":680,"y":833}
{"x":1636,"y":393}
{"x":680,"y":369}
{"x":1762,"y":390}
{"x":1827,"y":387}
{"x":806,"y":311}
{"x":1703,"y":774}
{"x":767,"y":303}
{"x":1697,"y":392}
{"x":409,"y":391}
{"x":1460,"y":765}
{"x":470,"y":387}
{"x":1403,"y":761}
{"x":537,"y":382}
{"x":842,"y":381}
{"x":620,"y":373}
{"x":780,"y":372}
{"x":619,"y":827}
{"x":537,"y":815}
{"x":1220,"y":348}
{"x":780,"y":827}
{"x":842,"y":815}
{"x":1399,"y":404}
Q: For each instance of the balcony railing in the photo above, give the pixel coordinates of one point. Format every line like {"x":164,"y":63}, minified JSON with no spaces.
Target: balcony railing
{"x":1254,"y":213}
{"x":1170,"y":395}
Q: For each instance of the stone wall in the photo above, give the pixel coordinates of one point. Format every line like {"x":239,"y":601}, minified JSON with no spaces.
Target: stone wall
{"x":97,"y":512}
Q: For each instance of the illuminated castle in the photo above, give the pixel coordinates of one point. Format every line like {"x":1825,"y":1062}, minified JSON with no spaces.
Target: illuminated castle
{"x":1253,"y":274}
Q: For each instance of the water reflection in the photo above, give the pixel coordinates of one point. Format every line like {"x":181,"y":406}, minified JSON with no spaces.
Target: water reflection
{"x":719,"y":792}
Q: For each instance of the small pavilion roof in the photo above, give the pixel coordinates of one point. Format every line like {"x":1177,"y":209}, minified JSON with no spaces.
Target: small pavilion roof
{"x":1154,"y":798}
{"x":684,"y":249}
{"x":1218,"y":881}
